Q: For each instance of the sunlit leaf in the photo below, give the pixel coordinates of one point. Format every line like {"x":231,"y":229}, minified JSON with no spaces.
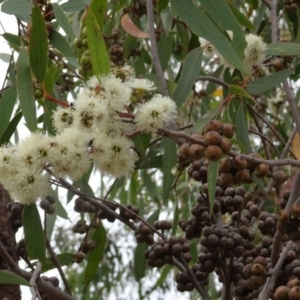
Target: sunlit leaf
{"x":212,"y":174}
{"x":7,"y":277}
{"x":264,"y":84}
{"x":96,"y":43}
{"x":34,"y":235}
{"x":190,"y":71}
{"x":25,"y":90}
{"x":221,"y":14}
{"x":202,"y":26}
{"x":240,"y":91}
{"x":38,"y":45}
{"x":95,"y":256}
{"x":7,"y":103}
{"x":169,"y":162}
{"x":131,"y":28}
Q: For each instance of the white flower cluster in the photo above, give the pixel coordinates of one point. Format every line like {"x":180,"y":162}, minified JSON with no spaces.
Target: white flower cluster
{"x":94,"y":130}
{"x":254,"y":53}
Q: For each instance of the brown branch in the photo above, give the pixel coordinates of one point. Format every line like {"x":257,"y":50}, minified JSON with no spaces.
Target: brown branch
{"x":213,"y":79}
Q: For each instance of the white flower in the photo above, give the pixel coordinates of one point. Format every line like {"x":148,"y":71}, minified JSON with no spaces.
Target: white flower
{"x":27,"y":185}
{"x":254,"y":53}
{"x":123,"y":72}
{"x":62,"y":118}
{"x":157,"y":113}
{"x":34,"y":150}
{"x":7,"y":163}
{"x":69,"y":155}
{"x":208,"y":48}
{"x":141,"y":84}
{"x":113,"y":156}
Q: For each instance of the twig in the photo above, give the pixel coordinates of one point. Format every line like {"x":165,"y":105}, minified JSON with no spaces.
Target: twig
{"x":291,"y":100}
{"x":274,"y":20}
{"x":269,"y":285}
{"x":213,"y":79}
{"x":154,"y":50}
{"x":35,"y":275}
{"x":266,"y":3}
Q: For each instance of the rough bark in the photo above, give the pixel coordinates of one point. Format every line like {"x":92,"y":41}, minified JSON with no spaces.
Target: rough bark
{"x":7,"y":237}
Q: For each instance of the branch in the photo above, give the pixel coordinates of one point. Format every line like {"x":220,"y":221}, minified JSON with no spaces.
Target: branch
{"x":154,"y":50}
{"x":266,"y":3}
{"x":35,"y":275}
{"x":213,"y":79}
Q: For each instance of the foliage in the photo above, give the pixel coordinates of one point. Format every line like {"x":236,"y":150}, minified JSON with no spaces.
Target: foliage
{"x":206,"y":134}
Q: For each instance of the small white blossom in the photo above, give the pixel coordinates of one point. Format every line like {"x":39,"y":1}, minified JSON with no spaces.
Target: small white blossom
{"x":69,"y":155}
{"x":125,"y":72}
{"x":141,"y":84}
{"x":113,"y":156}
{"x":254,"y":53}
{"x":7,"y":163}
{"x":34,"y":150}
{"x":208,"y":48}
{"x":157,"y":113}
{"x":62,"y":118}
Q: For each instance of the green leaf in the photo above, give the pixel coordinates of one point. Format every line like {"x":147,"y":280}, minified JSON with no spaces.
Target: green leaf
{"x":242,"y":19}
{"x":242,"y":134}
{"x":202,"y":26}
{"x":212,"y":174}
{"x":162,"y":4}
{"x":165,"y":49}
{"x":7,"y":103}
{"x":149,"y":184}
{"x":175,"y":218}
{"x":203,"y":120}
{"x":60,"y":43}
{"x":64,"y":259}
{"x":283,"y":49}
{"x":19,"y":8}
{"x":11,"y":128}
{"x":60,"y":210}
{"x":221,"y":14}
{"x":73,"y":6}
{"x":169,"y":161}
{"x":139,"y":262}
{"x":38,"y":45}
{"x":264,"y":84}
{"x":14,"y":40}
{"x":34,"y":235}
{"x":25,"y":90}
{"x":63,"y":21}
{"x":190,"y":71}
{"x":95,"y":256}
{"x":96,"y":43}
{"x":240,"y":91}
{"x":7,"y":277}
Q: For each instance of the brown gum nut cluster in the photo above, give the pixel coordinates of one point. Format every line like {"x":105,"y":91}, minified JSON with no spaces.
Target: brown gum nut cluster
{"x":130,"y":213}
{"x":21,"y":248}
{"x":215,"y":142}
{"x":193,"y":228}
{"x":103,"y":215}
{"x":289,"y":222}
{"x":267,"y":223}
{"x":162,"y":252}
{"x":54,"y":281}
{"x":82,"y":205}
{"x":15,"y":210}
{"x":184,"y":281}
{"x":144,"y":234}
{"x":80,"y":227}
{"x":198,"y":170}
{"x":87,"y":246}
{"x":290,"y":291}
{"x":237,"y":170}
{"x":47,"y":204}
{"x":232,"y":199}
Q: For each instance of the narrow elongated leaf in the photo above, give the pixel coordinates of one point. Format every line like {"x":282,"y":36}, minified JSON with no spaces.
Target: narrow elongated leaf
{"x":34,"y":235}
{"x":38,"y":45}
{"x":202,"y":26}
{"x":63,"y":21}
{"x":60,"y":43}
{"x":20,"y":8}
{"x":264,"y":84}
{"x":99,"y":56}
{"x":242,"y":135}
{"x":190,"y":71}
{"x":240,"y":91}
{"x":11,"y":128}
{"x":73,"y":6}
{"x":64,"y":259}
{"x":176,"y":218}
{"x":14,"y":40}
{"x":95,"y":256}
{"x":25,"y":90}
{"x":283,"y":49}
{"x":221,"y":14}
{"x":7,"y":103}
{"x":212,"y":174}
{"x":169,"y":161}
{"x":140,"y":262}
{"x":7,"y":277}
{"x":242,"y":19}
